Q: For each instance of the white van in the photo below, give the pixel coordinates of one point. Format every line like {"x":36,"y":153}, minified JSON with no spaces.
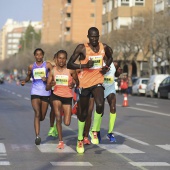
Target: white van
{"x":153,"y":84}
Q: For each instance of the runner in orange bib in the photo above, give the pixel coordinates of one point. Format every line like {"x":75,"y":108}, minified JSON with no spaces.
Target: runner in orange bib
{"x":90,"y":80}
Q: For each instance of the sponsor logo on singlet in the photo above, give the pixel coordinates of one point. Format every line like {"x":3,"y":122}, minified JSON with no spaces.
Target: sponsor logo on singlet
{"x":108,"y":79}
{"x":38,"y":73}
{"x":98,"y":61}
{"x":61,"y":80}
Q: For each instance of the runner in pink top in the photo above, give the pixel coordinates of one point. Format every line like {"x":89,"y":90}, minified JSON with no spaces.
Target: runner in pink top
{"x":62,"y":94}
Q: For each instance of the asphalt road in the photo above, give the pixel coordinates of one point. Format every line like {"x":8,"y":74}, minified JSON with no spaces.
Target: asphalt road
{"x":142,"y":131}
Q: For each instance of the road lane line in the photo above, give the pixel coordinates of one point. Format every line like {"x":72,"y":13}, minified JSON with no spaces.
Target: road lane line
{"x":143,"y":104}
{"x":150,"y":111}
{"x":71,"y":163}
{"x":166,"y":147}
{"x":144,"y":110}
{"x":2,"y":148}
{"x":119,"y":148}
{"x":26,"y":98}
{"x":4,"y":163}
{"x":3,"y":154}
{"x":51,"y":148}
{"x":149,"y":163}
{"x":19,"y":95}
{"x":130,"y":138}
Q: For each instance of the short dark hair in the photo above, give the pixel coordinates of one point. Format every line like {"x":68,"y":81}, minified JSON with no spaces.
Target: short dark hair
{"x":60,"y":52}
{"x":39,"y":49}
{"x":93,"y":29}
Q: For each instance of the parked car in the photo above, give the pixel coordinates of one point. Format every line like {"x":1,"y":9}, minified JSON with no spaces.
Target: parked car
{"x":140,"y":86}
{"x":164,"y":88}
{"x":153,"y":84}
{"x":134,"y":79}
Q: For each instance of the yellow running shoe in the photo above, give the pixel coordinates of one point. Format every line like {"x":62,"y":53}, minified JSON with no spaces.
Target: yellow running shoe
{"x":80,"y":147}
{"x":94,"y":138}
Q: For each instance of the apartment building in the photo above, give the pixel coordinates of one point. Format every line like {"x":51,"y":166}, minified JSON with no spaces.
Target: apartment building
{"x":119,"y":14}
{"x":10,"y":35}
{"x":69,"y":20}
{"x":162,"y":6}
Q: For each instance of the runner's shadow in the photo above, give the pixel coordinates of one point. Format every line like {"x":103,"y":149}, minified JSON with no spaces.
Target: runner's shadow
{"x":49,"y":138}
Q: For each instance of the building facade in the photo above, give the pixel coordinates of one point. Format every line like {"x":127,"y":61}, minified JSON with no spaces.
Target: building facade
{"x":10,"y":35}
{"x":69,"y":20}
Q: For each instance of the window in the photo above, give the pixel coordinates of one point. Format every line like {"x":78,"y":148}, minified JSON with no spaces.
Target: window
{"x":68,"y":15}
{"x":109,"y":27}
{"x":139,"y":2}
{"x":168,"y":2}
{"x":18,"y":35}
{"x":67,"y":30}
{"x":144,"y":81}
{"x":124,"y":2}
{"x":92,"y":15}
{"x":92,"y":1}
{"x":104,"y":8}
{"x":9,"y":52}
{"x":69,"y":1}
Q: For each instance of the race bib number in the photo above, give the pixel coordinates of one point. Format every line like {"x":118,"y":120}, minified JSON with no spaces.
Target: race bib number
{"x":39,"y":72}
{"x":98,"y":61}
{"x":61,"y":80}
{"x":108,"y":80}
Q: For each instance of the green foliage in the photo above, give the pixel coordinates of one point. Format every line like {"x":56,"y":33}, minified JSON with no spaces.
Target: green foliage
{"x":30,"y":39}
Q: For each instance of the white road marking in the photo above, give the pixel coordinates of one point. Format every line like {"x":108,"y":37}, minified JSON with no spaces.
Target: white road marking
{"x":149,"y":163}
{"x":71,"y":164}
{"x":143,"y":104}
{"x":149,"y":111}
{"x":25,"y":147}
{"x":26,"y":98}
{"x":116,"y":148}
{"x":133,"y":139}
{"x":2,"y":148}
{"x":3,"y":154}
{"x":52,"y":149}
{"x":166,"y":147}
{"x":19,"y":95}
{"x":13,"y":93}
{"x":4,"y":163}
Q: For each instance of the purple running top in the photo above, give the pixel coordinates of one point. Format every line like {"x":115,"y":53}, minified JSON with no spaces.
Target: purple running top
{"x":38,"y":86}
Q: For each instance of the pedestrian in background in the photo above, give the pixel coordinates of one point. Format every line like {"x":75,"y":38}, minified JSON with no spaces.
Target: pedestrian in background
{"x":130,"y":85}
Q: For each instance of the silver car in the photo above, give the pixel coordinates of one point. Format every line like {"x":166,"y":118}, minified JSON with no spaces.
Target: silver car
{"x":140,"y":86}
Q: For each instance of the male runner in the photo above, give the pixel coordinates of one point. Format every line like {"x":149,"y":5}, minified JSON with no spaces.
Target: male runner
{"x":91,"y":80}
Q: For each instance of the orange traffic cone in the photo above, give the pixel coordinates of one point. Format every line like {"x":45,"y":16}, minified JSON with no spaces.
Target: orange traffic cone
{"x":74,"y":109}
{"x":125,"y":101}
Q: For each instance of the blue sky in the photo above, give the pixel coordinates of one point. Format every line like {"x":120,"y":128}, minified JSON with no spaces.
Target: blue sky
{"x":20,"y":10}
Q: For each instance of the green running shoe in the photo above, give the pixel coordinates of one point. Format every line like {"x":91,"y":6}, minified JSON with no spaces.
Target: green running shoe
{"x":55,"y":132}
{"x":51,"y":131}
{"x":80,"y":147}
